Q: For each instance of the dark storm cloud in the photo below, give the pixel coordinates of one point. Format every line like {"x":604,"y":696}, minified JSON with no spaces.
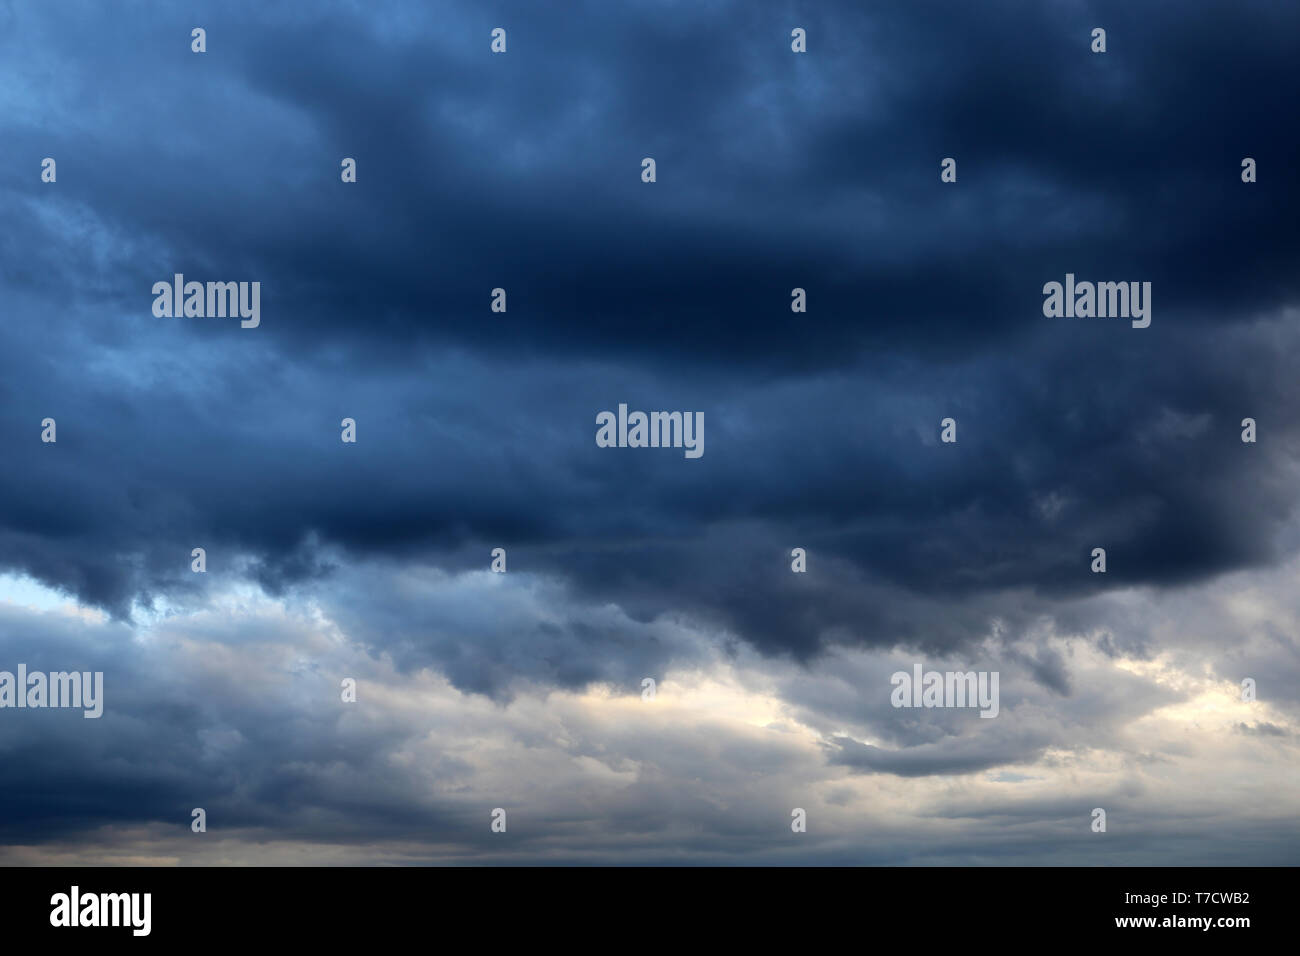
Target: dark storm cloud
{"x":522,"y":171}
{"x":256,"y":741}
{"x":821,"y":171}
{"x":952,"y":756}
{"x":476,"y":429}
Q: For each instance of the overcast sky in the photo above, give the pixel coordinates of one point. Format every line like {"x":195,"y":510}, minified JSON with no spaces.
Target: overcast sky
{"x":476,"y":430}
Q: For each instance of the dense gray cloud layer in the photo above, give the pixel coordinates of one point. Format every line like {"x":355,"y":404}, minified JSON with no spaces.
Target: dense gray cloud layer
{"x":476,"y":429}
